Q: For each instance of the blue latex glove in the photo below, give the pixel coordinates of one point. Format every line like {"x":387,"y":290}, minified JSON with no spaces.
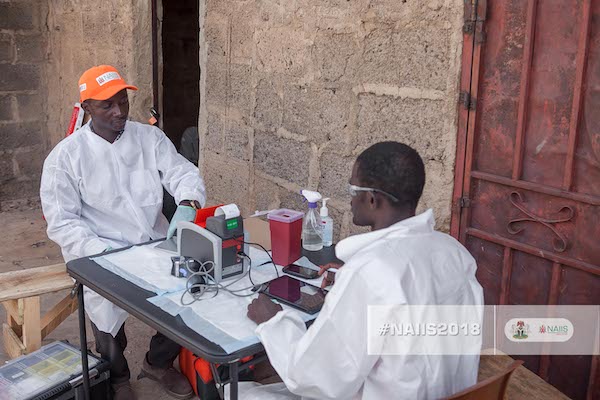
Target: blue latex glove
{"x":183,"y":213}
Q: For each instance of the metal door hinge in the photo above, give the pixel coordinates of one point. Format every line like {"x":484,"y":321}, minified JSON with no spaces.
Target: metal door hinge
{"x":469,"y":17}
{"x":475,"y":13}
{"x":464,"y":202}
{"x":468,"y":102}
{"x":480,"y":37}
{"x":469,"y":27}
{"x":482,"y":10}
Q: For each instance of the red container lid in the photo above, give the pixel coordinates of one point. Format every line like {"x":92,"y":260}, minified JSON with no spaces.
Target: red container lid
{"x":285,"y":215}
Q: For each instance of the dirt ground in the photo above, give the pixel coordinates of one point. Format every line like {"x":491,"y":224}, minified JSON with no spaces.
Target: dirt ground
{"x":26,"y":245}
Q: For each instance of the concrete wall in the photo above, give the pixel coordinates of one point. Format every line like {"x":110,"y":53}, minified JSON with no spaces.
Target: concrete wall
{"x":44,"y":47}
{"x":293,"y":91}
{"x":84,"y":33}
{"x":23,"y":57}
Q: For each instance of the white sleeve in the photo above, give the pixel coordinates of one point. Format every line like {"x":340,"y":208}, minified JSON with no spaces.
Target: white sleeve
{"x":180,"y":177}
{"x":61,"y":204}
{"x":329,"y":360}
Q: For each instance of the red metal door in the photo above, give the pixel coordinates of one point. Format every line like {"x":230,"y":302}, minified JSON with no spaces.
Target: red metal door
{"x":527,"y":188}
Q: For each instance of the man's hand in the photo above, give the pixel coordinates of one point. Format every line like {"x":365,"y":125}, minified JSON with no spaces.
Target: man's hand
{"x":186,"y":211}
{"x":262,"y":309}
{"x":329,"y":275}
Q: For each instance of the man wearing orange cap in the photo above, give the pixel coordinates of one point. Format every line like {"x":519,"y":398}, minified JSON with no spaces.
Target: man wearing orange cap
{"x":102,"y":188}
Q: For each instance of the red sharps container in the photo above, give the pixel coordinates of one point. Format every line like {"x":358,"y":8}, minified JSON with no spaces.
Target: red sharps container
{"x":286,"y":234}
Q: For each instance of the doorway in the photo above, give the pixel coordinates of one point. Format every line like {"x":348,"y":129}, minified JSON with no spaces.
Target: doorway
{"x":181,"y":69}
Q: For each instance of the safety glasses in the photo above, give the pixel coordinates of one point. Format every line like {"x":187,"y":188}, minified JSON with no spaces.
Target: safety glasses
{"x":353,"y":190}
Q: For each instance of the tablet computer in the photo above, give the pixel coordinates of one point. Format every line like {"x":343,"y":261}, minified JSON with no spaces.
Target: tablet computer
{"x":298,"y":294}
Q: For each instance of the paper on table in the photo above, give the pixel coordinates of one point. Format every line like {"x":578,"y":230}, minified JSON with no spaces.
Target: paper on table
{"x":145,"y":266}
{"x":259,"y":257}
{"x":222,"y":319}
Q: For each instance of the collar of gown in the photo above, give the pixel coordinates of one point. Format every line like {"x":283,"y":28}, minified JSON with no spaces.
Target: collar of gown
{"x":99,"y":139}
{"x":419,"y":224}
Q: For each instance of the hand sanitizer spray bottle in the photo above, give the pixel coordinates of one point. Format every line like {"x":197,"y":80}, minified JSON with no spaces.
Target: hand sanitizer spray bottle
{"x":312,"y":231}
{"x":327,"y":223}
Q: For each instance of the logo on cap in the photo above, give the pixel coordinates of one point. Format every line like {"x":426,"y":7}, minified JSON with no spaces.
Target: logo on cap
{"x":101,"y":83}
{"x":107,"y":77}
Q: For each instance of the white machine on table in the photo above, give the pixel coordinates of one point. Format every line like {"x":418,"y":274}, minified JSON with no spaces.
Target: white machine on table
{"x":223,"y":241}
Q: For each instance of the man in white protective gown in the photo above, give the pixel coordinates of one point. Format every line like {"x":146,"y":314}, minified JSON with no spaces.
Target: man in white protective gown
{"x":402,"y":261}
{"x":101,"y":189}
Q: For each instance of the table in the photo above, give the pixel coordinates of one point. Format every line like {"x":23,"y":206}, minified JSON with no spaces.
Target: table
{"x":133,"y":299}
{"x":523,"y":384}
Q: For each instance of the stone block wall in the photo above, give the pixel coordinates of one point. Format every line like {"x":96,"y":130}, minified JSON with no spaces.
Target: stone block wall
{"x":23,"y":56}
{"x":84,"y":33}
{"x":44,"y":48}
{"x":293,"y":91}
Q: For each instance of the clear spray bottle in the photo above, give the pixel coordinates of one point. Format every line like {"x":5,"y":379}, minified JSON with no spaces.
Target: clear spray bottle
{"x":312,"y":231}
{"x":327,"y":223}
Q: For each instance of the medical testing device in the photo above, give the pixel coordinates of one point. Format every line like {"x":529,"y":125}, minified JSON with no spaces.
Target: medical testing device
{"x":223,"y":241}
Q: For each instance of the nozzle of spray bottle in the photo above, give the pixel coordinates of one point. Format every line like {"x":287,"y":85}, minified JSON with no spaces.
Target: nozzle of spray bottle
{"x":312,"y":197}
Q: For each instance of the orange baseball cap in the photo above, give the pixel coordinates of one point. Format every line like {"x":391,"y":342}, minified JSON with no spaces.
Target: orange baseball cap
{"x":101,"y":83}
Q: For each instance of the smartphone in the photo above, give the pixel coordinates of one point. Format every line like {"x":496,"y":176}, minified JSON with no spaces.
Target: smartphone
{"x":302,"y":272}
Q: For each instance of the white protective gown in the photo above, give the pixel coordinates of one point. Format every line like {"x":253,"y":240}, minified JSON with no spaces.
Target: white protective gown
{"x":97,"y":194}
{"x":407,"y":263}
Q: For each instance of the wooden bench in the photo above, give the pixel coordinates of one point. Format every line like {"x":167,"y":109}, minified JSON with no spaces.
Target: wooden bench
{"x":20,"y":295}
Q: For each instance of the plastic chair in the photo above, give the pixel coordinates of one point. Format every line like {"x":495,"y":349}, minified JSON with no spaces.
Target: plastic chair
{"x":492,"y":388}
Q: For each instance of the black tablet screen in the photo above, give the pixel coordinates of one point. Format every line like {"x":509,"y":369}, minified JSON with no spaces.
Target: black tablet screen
{"x":301,"y":295}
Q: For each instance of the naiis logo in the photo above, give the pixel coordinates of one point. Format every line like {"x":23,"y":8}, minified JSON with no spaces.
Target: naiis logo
{"x":554,"y":329}
{"x":539,"y":330}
